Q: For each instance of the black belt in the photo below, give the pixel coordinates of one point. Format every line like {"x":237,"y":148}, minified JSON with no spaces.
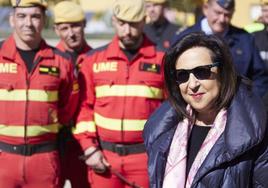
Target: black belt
{"x":28,"y":149}
{"x":123,"y":149}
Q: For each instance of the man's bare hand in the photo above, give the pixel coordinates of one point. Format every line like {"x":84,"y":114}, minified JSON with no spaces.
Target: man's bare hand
{"x":96,"y":160}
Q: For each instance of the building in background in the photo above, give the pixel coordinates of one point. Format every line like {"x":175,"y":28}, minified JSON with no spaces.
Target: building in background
{"x":98,"y":13}
{"x":246,"y":12}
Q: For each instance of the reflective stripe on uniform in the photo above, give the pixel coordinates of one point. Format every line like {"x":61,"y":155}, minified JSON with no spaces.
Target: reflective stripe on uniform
{"x":31,"y":130}
{"x":129,"y":90}
{"x":33,"y":95}
{"x":116,"y":124}
{"x":84,"y":126}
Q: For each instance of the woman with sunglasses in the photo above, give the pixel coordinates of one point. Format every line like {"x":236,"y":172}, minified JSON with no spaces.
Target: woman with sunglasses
{"x":211,"y":133}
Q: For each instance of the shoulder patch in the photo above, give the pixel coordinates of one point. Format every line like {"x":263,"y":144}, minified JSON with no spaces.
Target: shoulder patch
{"x":99,"y":49}
{"x":60,"y":53}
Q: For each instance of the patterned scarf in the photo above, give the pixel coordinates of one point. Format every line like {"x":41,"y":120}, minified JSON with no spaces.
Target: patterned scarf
{"x":175,"y":173}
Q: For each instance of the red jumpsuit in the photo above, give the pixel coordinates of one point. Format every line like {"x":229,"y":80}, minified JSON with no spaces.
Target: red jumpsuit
{"x":33,"y":106}
{"x":74,"y":169}
{"x":118,"y":96}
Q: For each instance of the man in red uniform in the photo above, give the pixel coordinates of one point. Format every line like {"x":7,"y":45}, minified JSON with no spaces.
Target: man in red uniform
{"x":121,"y":85}
{"x":69,"y":26}
{"x":37,"y":85}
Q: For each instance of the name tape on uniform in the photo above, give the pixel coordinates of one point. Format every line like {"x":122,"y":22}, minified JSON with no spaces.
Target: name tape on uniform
{"x":8,"y":68}
{"x":110,"y":66}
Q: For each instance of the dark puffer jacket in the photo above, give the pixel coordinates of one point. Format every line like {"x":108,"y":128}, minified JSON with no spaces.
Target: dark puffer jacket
{"x":239,"y":158}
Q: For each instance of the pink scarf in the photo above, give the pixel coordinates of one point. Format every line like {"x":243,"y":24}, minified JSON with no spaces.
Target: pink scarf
{"x":176,"y":161}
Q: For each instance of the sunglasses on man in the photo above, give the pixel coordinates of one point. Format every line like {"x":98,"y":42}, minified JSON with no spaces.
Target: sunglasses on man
{"x":200,"y":72}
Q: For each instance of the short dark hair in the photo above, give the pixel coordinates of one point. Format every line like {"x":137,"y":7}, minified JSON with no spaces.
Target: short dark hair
{"x":219,"y":53}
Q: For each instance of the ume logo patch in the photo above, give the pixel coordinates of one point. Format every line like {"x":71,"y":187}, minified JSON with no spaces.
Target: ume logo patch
{"x":8,"y":68}
{"x":105,"y":66}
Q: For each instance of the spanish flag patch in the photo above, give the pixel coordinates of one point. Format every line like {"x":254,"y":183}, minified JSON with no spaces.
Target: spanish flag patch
{"x":50,"y":70}
{"x":150,"y":67}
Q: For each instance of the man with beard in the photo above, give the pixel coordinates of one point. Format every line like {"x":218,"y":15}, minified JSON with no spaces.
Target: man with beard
{"x":70,"y":22}
{"x":121,"y":85}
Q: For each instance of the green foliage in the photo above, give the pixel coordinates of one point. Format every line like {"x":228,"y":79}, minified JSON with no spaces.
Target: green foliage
{"x":185,"y":5}
{"x":4,"y":3}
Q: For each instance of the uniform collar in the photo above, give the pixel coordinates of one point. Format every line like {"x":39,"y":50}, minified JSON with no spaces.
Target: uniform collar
{"x":207,"y":29}
{"x":9,"y":49}
{"x":61,"y":47}
{"x":81,"y":57}
{"x":161,"y":25}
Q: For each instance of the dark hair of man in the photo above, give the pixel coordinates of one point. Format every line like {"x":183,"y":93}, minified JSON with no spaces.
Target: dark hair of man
{"x":219,"y":53}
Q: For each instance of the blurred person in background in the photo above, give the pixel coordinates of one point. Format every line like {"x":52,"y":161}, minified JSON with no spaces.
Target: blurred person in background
{"x":247,"y":60}
{"x":261,"y":37}
{"x":212,"y":131}
{"x":257,"y":25}
{"x":159,"y":29}
{"x":70,"y":22}
{"x":121,"y":85}
{"x":37,"y":86}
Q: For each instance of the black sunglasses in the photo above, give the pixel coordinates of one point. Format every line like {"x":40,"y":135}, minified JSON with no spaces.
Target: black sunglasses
{"x":201,"y":73}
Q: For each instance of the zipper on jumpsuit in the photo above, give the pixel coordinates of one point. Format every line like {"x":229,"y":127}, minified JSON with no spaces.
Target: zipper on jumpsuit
{"x":28,"y":75}
{"x":25,"y":123}
{"x":123,"y":111}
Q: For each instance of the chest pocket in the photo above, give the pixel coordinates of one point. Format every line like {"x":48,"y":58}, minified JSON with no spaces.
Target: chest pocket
{"x":49,"y":95}
{"x":104,"y":89}
{"x":8,"y":96}
{"x":153,"y":89}
{"x":7,"y":86}
{"x":49,"y":91}
{"x":8,"y":92}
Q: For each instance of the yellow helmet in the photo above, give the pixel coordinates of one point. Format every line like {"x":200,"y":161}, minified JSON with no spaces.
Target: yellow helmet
{"x":68,"y":12}
{"x":29,"y":3}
